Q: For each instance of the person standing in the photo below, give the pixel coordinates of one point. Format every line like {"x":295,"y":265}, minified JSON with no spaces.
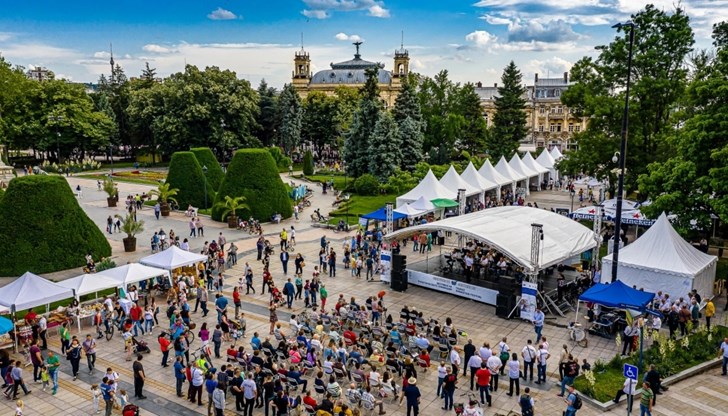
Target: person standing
{"x":284,"y":261}
{"x":250,"y":394}
{"x":483,"y":376}
{"x":74,"y":355}
{"x":474,"y":363}
{"x":53,"y":363}
{"x":164,"y":345}
{"x":193,"y":228}
{"x":494,"y":365}
{"x":455,"y":360}
{"x":412,"y":394}
{"x":89,"y":348}
{"x":563,"y":359}
{"x":571,"y":402}
{"x":197,"y":379}
{"x":289,"y":290}
{"x":448,"y":387}
{"x":236,"y":301}
{"x":332,"y":263}
{"x":709,"y":312}
{"x":526,"y":403}
{"x":179,"y":375}
{"x":139,"y":378}
{"x":542,"y":356}
{"x":469,"y":351}
{"x":629,"y":389}
{"x":571,"y":369}
{"x":17,"y":374}
{"x":218,"y":399}
{"x":647,"y":399}
{"x":724,"y":354}
{"x":538,"y":319}
{"x":221,"y":241}
{"x":529,"y":358}
{"x":107,"y":393}
{"x":514,"y":375}
{"x":65,"y":337}
{"x":43,"y":331}
{"x":36,"y":358}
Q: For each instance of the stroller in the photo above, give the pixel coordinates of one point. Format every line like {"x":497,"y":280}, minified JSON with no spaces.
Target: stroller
{"x":140,"y":346}
{"x":130,"y":410}
{"x":236,"y":330}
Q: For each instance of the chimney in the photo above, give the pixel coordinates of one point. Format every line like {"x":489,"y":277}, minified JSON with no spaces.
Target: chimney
{"x":536,"y":78}
{"x":566,"y":77}
{"x":495,"y":85}
{"x":479,"y":84}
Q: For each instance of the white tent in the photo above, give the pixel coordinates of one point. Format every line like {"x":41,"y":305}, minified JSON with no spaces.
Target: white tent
{"x":453,"y":181}
{"x":489,"y":173}
{"x":516,"y":164}
{"x":89,"y":283}
{"x":471,"y":176}
{"x":30,"y":290}
{"x":546,"y":160}
{"x":407,"y":210}
{"x":661,"y":260}
{"x":172,"y":258}
{"x":529,"y":161}
{"x":134,"y":272}
{"x":556,"y":153}
{"x":429,"y":188}
{"x":506,"y":170}
{"x":508,"y":229}
{"x":423,"y":205}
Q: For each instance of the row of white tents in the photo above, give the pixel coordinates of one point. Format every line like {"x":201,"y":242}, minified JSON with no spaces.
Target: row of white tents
{"x":516,"y":173}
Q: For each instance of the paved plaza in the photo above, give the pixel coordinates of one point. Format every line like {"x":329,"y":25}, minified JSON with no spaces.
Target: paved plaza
{"x":699,"y":395}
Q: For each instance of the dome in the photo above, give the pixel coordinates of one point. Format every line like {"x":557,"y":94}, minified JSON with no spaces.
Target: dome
{"x":348,"y":76}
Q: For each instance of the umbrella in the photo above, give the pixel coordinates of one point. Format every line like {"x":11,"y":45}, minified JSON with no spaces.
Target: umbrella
{"x":6,"y":325}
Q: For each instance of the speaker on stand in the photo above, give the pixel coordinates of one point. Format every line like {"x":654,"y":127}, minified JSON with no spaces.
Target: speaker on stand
{"x":399,"y":273}
{"x":504,"y":304}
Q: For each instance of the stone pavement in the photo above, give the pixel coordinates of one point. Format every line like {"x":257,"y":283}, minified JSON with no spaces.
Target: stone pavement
{"x":698,"y":395}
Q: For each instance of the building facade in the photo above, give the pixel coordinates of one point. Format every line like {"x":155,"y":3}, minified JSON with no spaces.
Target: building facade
{"x":351,"y":73}
{"x":550,"y":123}
{"x":39,"y":73}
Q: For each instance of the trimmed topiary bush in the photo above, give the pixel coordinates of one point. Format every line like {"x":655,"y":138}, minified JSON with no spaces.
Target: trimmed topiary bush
{"x":2,"y":192}
{"x":366,"y":184}
{"x":252,"y":173}
{"x":282,"y":161}
{"x":214,"y":171}
{"x":308,"y":163}
{"x":185,"y":174}
{"x":44,"y":229}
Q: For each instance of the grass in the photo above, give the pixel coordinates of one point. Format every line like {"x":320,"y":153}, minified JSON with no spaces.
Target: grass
{"x":119,"y":179}
{"x":340,"y":182}
{"x":360,"y":205}
{"x":296,"y":167}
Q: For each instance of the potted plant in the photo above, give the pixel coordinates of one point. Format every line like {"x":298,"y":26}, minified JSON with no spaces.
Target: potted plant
{"x":131,"y":227}
{"x":110,"y":189}
{"x":164,"y":194}
{"x":230,"y":206}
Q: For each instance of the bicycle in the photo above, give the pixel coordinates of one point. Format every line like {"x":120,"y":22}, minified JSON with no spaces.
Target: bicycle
{"x":173,"y":206}
{"x":577,"y":334}
{"x":109,"y":333}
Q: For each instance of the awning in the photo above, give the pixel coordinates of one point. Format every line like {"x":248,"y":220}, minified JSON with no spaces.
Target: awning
{"x":172,"y":258}
{"x":381,"y":215}
{"x":444,"y":203}
{"x":617,"y":295}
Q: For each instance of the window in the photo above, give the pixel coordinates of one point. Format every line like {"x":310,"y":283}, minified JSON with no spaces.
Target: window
{"x":557,"y":109}
{"x":542,"y":110}
{"x":577,"y":128}
{"x":571,"y":127}
{"x":555,"y":128}
{"x":540,"y":128}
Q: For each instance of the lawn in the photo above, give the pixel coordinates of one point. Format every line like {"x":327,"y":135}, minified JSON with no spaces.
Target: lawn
{"x":140,"y":179}
{"x":340,"y":182}
{"x":360,"y":205}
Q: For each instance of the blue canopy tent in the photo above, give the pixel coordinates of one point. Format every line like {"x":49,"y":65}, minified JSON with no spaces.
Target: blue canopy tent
{"x":381,"y":215}
{"x":617,"y":295}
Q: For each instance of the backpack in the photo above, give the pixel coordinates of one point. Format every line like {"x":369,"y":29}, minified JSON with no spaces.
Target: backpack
{"x":285,"y":290}
{"x":9,"y":377}
{"x":577,"y":402}
{"x":504,"y":356}
{"x":170,"y":311}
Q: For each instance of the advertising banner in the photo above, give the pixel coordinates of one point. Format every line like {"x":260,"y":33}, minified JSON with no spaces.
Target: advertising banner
{"x":528,"y":300}
{"x":453,"y":287}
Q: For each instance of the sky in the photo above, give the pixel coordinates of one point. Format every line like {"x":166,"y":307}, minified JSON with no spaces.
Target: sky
{"x":474,"y":40}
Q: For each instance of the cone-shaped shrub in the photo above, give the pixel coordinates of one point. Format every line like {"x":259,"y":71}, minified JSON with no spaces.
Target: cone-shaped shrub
{"x":43,"y":229}
{"x":214,"y":171}
{"x":185,"y":174}
{"x":252,"y":173}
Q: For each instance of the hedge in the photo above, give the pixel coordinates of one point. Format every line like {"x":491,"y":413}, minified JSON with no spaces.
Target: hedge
{"x":44,"y":229}
{"x":252,"y":173}
{"x":2,"y":192}
{"x":214,"y":171}
{"x":281,"y":160}
{"x":308,"y":167}
{"x":367,"y":184}
{"x":185,"y":174}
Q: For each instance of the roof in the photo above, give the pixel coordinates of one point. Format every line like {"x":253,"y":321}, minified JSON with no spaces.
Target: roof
{"x":556,"y":153}
{"x":133,"y":272}
{"x":88,"y":283}
{"x":508,"y":229}
{"x":476,"y":179}
{"x":506,"y":170}
{"x":520,"y":167}
{"x":429,"y":188}
{"x":172,"y":258}
{"x":454,"y":182}
{"x":491,"y":174}
{"x":545,"y":159}
{"x":617,"y":295}
{"x":356,"y":63}
{"x":662,"y":248}
{"x":529,"y":161}
{"x":348,"y":76}
{"x":31,"y":290}
{"x":381,"y":215}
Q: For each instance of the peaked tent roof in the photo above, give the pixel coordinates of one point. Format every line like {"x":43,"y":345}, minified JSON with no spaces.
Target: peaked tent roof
{"x":556,"y":153}
{"x":529,"y":161}
{"x":429,"y":188}
{"x":31,"y":290}
{"x":172,"y":258}
{"x":408,"y":211}
{"x":546,"y":160}
{"x":88,"y":283}
{"x":135,"y":272}
{"x":506,"y":170}
{"x":453,"y":181}
{"x":474,"y":178}
{"x":662,"y":248}
{"x":381,"y":215}
{"x":491,"y":174}
{"x":617,"y":295}
{"x":423,"y":205}
{"x":520,"y":167}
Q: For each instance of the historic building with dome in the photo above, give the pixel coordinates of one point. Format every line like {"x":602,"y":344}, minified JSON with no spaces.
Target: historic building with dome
{"x":351,"y":73}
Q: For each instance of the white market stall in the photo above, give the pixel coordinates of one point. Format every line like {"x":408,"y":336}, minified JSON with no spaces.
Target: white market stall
{"x":423,"y":205}
{"x":533,"y":177}
{"x":471,"y":176}
{"x":546,"y":160}
{"x":429,"y":188}
{"x":505,"y":169}
{"x":661,"y":260}
{"x":490,"y":173}
{"x":407,"y":210}
{"x":170,"y":259}
{"x":86,"y":284}
{"x":134,"y":272}
{"x":29,"y":291}
{"x":531,"y":163}
{"x":556,"y":154}
{"x":453,"y":181}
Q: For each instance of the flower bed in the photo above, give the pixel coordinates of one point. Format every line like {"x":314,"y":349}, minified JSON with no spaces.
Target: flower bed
{"x":151,"y":176}
{"x":669,"y":356}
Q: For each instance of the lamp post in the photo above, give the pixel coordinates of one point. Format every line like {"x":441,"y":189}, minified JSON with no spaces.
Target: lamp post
{"x":572,"y":193}
{"x":204,"y":182}
{"x":56,"y":119}
{"x":622,"y":153}
{"x":111,"y":158}
{"x":346,"y":201}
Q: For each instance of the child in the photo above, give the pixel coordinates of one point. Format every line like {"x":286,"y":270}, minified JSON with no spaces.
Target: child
{"x":123,"y":398}
{"x":149,"y":319}
{"x":44,"y":377}
{"x":96,"y":394}
{"x":19,"y":407}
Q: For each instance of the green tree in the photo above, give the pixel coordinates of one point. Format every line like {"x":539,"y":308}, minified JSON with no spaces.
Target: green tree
{"x":185,"y":174}
{"x":410,"y":125}
{"x":290,"y":114}
{"x":509,"y":121}
{"x":207,"y":159}
{"x":385,"y":151}
{"x":267,"y":116}
{"x":54,"y":235}
{"x":320,"y":124}
{"x":308,"y":167}
{"x":362,"y":126}
{"x":441,"y":126}
{"x":474,"y":129}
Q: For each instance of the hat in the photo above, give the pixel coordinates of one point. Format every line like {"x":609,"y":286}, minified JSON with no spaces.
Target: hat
{"x":411,"y":380}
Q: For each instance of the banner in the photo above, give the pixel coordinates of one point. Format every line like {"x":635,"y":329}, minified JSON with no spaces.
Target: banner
{"x":385,"y":266}
{"x":528,"y":300}
{"x":452,"y":287}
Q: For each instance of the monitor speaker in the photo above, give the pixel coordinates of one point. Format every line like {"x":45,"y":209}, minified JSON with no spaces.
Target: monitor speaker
{"x":504,"y":305}
{"x":399,"y":263}
{"x":399,"y":281}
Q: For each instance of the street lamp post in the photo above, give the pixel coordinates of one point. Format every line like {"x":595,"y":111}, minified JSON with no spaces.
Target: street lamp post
{"x":111,"y":158}
{"x":56,"y":119}
{"x":622,"y":153}
{"x":346,"y":201}
{"x":572,"y":193}
{"x":204,"y":182}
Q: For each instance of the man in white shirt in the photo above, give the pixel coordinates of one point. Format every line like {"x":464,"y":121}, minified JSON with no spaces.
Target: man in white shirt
{"x":455,"y":361}
{"x":474,"y":364}
{"x":543,"y":356}
{"x":629,"y":389}
{"x":529,"y":354}
{"x":42,"y":331}
{"x":494,"y":365}
{"x":485,"y":352}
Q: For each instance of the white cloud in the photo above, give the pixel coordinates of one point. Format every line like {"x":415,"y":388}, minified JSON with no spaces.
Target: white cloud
{"x":102,"y":55}
{"x":6,"y":36}
{"x":553,"y":31}
{"x":36,"y":51}
{"x":378,"y":11}
{"x":154,"y":48}
{"x":221,"y":14}
{"x":482,"y":39}
{"x":352,"y":38}
{"x":495,"y":20}
{"x":551,"y":67}
{"x":316,"y":14}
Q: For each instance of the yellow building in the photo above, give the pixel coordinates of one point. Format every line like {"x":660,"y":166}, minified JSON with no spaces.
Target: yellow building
{"x":350,"y":73}
{"x":550,"y":123}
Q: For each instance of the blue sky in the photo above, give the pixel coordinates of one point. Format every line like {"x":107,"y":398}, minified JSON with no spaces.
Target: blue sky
{"x":473,"y":40}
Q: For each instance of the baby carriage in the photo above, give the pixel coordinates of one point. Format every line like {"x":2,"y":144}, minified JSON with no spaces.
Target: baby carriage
{"x":140,"y":346}
{"x":130,"y":410}
{"x":277,"y":296}
{"x":236,"y":330}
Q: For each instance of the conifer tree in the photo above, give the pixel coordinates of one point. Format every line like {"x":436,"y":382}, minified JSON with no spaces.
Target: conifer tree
{"x":410,"y":126}
{"x":384,"y":148}
{"x":356,"y":145}
{"x":290,"y":112}
{"x":509,"y":122}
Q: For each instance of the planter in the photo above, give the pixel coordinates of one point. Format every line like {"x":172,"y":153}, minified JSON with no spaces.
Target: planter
{"x":232,"y":221}
{"x":129,"y":244}
{"x":164,"y":209}
{"x":111,"y":201}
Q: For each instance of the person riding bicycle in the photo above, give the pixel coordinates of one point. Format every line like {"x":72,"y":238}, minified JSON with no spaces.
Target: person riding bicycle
{"x":318,"y":214}
{"x":341,"y":226}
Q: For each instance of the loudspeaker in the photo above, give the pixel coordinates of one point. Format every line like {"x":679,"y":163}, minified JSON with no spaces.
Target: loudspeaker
{"x":399,"y":281}
{"x":504,"y":304}
{"x":399,"y":263}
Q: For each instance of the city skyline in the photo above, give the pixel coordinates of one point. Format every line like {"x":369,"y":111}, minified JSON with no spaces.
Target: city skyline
{"x":473,"y":40}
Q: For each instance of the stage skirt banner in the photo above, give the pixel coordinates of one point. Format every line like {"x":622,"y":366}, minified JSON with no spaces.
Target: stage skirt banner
{"x":385,"y":266}
{"x":452,"y":287}
{"x":528,"y":300}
